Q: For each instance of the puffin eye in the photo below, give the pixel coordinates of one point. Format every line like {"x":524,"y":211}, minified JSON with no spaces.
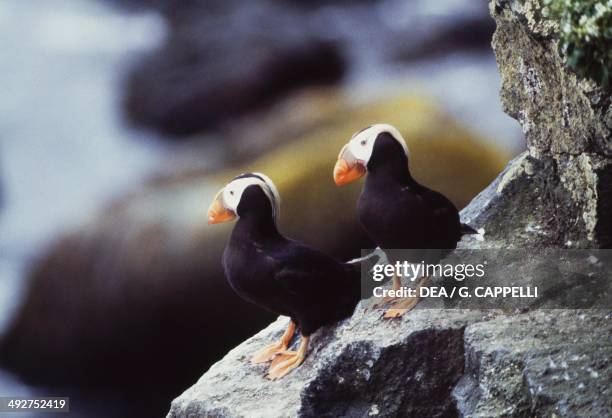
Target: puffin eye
{"x":363,"y":142}
{"x":232,"y":192}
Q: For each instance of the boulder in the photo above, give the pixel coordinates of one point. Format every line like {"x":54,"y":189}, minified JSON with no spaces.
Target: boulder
{"x":434,"y":363}
{"x":224,"y":60}
{"x":361,"y":367}
{"x":203,"y":76}
{"x":562,"y":188}
{"x":136,"y":300}
{"x":547,"y":363}
{"x":471,"y":363}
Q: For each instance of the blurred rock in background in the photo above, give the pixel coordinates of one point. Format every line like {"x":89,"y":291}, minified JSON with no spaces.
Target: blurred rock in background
{"x":224,"y":59}
{"x":198,"y":81}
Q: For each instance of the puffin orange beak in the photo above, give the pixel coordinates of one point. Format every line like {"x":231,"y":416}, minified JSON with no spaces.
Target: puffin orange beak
{"x":344,"y":173}
{"x":217,"y":213}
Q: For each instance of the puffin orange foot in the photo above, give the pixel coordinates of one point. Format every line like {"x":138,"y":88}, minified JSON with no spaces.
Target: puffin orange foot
{"x":403,"y":305}
{"x":394,"y":313}
{"x":269,"y":352}
{"x":282,"y":357}
{"x":286,"y":361}
{"x":283,"y":364}
{"x":397,"y":284}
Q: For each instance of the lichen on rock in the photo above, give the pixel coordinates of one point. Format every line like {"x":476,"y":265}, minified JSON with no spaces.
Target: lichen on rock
{"x":563,"y":119}
{"x":585,"y":36}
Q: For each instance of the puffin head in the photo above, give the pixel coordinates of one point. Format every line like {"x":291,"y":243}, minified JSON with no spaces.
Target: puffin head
{"x":233,"y":199}
{"x":357,"y":155}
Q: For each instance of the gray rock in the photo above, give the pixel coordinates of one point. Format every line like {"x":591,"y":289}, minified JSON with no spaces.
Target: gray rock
{"x":363,"y":366}
{"x":471,"y":363}
{"x":569,"y":190}
{"x":548,"y":363}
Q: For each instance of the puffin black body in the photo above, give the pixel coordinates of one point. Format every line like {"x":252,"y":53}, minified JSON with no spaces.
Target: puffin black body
{"x":398,"y":212}
{"x":395,"y":210}
{"x":282,"y":275}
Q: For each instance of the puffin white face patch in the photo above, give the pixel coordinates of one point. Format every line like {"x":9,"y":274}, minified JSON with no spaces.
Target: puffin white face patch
{"x":232,"y":193}
{"x":361,"y":144}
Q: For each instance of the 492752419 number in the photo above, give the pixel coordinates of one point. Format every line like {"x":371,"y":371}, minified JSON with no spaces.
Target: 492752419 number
{"x":51,"y":404}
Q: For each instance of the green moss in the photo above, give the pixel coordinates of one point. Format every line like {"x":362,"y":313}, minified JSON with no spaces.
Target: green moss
{"x":585,"y":35}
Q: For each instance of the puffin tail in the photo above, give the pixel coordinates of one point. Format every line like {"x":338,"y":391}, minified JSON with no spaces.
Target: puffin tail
{"x":467,"y":230}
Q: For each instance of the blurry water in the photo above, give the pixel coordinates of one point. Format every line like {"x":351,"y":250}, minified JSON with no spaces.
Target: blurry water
{"x":63,"y":146}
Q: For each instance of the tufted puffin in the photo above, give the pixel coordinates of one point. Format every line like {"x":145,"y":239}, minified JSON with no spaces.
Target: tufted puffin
{"x":280,"y":274}
{"x":394,"y":209}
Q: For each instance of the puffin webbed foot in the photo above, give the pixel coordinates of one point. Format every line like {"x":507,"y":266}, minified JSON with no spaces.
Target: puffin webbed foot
{"x":269,"y":352}
{"x":397,"y":284}
{"x":286,"y":361}
{"x":403,"y":305}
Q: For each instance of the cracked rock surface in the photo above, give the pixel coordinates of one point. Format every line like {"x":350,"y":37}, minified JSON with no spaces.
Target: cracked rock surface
{"x":364,"y":366}
{"x":563,"y":182}
{"x":431,"y":363}
{"x":551,"y":363}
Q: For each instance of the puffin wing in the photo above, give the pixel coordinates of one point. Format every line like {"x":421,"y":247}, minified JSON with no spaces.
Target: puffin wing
{"x":445,"y":221}
{"x":319,"y":289}
{"x":307,"y":272}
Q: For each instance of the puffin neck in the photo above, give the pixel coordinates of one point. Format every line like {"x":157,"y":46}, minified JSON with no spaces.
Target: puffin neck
{"x":393,"y":168}
{"x":257,"y":226}
{"x":256,"y":216}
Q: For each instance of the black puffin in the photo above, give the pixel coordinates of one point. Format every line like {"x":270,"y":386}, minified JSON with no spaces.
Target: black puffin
{"x":394,"y":209}
{"x":280,"y":274}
